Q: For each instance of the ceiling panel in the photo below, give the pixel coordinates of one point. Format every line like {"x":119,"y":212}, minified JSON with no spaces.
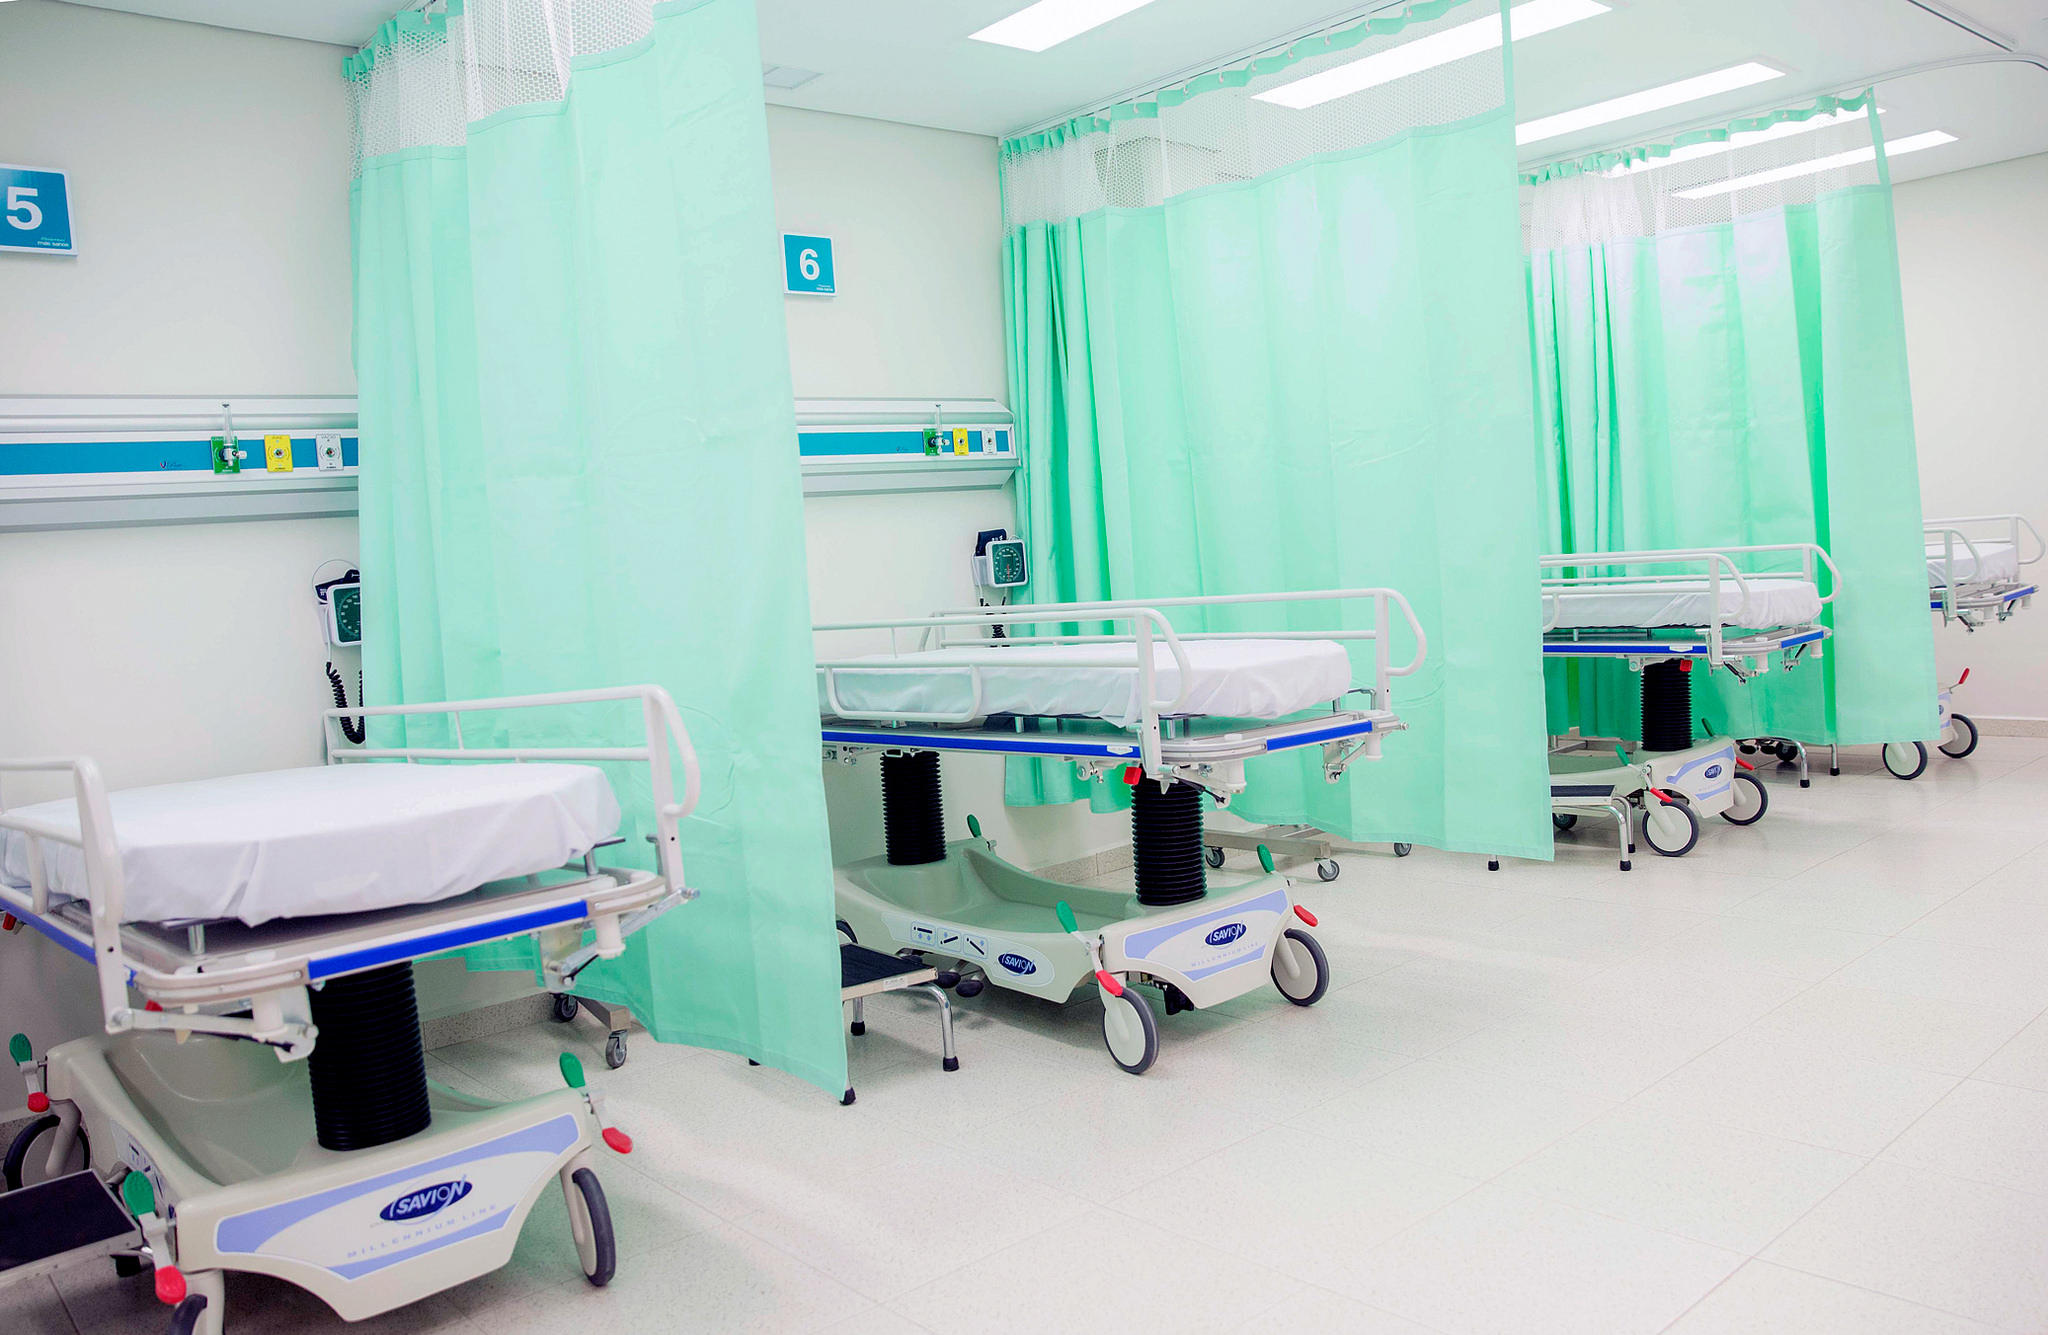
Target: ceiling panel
{"x":911,"y":60}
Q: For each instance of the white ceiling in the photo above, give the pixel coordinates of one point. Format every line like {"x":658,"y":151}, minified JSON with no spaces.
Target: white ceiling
{"x":910,"y":60}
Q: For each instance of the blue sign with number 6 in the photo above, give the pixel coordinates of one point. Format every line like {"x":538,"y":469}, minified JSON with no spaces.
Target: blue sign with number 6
{"x":35,"y":211}
{"x":807,"y":265}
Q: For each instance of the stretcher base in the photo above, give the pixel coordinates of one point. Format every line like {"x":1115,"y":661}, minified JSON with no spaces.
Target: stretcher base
{"x":224,"y":1132}
{"x":982,"y":912}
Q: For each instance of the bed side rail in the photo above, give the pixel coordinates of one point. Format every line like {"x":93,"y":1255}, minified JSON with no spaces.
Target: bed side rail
{"x":661,"y":725}
{"x":94,"y":838}
{"x":1149,"y":625}
{"x":1969,"y":530}
{"x":1717,"y":564}
{"x":274,"y":1017}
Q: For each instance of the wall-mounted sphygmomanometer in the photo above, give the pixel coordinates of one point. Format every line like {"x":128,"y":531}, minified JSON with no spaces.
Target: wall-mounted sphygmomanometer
{"x":999,"y":560}
{"x":341,"y":620}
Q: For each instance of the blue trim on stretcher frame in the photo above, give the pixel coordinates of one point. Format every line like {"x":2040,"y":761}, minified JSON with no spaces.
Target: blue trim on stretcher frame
{"x":454,"y":938}
{"x":63,"y":938}
{"x":1936,"y":604}
{"x":1669,"y":648}
{"x":1067,"y":746}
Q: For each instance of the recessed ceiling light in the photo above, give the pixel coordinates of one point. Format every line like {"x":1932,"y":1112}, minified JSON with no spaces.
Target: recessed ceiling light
{"x":1050,"y":22}
{"x":1745,"y":139}
{"x":1439,"y":48}
{"x":1650,"y":99}
{"x":786,"y":77}
{"x":1912,"y":143}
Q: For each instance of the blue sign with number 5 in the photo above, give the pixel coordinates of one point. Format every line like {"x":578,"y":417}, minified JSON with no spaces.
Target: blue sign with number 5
{"x":807,"y":265}
{"x":35,"y":211}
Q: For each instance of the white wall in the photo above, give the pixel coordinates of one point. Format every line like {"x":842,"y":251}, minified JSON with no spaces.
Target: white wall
{"x":1973,"y":258}
{"x":209,"y":179}
{"x":210,"y":185}
{"x":916,"y":223}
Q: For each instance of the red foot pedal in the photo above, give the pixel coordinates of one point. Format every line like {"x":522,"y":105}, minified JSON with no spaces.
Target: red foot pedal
{"x":170,"y":1285}
{"x":1132,"y":774}
{"x":1304,"y":915}
{"x":39,"y":1103}
{"x":1744,"y":763}
{"x":618,"y":1140}
{"x":1110,"y":982}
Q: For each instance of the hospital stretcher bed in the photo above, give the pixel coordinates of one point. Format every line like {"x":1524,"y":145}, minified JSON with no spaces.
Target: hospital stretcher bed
{"x":1174,"y":713}
{"x":1667,"y":613}
{"x":259,"y":1095}
{"x":1976,"y":575}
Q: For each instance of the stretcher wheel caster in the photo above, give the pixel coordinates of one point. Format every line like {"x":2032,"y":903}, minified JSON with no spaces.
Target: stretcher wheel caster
{"x":1213,"y":856}
{"x":1752,"y":800}
{"x":1905,"y":760}
{"x":615,"y":1051}
{"x":1493,"y":864}
{"x":970,"y":987}
{"x":599,"y":1252}
{"x":1965,"y":739}
{"x":127,"y":1267}
{"x":1176,"y":1000}
{"x":846,"y":1099}
{"x":1129,"y":1031}
{"x":23,"y":1152}
{"x":1300,"y":969}
{"x":1562,"y":820}
{"x":1403,"y":850}
{"x":1327,"y":869}
{"x":1670,"y":828}
{"x":185,"y":1316}
{"x":566,"y":1007}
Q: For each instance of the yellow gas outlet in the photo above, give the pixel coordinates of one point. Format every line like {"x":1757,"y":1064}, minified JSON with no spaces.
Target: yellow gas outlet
{"x":277,"y":454}
{"x":959,"y":440}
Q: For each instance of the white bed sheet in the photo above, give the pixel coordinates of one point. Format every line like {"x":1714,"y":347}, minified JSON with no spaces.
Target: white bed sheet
{"x":1995,"y":563}
{"x":1235,"y":678}
{"x":331,"y":839}
{"x":1773,"y":601}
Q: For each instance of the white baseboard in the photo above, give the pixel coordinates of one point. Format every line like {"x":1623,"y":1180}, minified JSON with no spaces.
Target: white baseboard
{"x":1993,"y":725}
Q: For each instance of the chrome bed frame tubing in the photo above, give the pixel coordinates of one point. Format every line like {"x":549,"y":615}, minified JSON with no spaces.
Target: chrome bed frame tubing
{"x":1148,"y":624}
{"x":619,"y":903}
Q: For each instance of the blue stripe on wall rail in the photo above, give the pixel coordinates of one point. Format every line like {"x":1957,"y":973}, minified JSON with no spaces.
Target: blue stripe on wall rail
{"x":42,"y":458}
{"x":892,"y":440}
{"x":45,"y":458}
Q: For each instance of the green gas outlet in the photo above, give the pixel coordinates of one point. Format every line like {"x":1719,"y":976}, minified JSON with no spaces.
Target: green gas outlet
{"x":227,"y":458}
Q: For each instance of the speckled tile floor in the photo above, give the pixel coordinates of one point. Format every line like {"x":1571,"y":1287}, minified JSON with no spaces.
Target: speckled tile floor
{"x":1795,"y":1081}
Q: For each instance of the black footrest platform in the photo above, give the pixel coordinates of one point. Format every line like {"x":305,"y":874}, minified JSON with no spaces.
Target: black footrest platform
{"x":859,"y":966}
{"x":54,"y":1223}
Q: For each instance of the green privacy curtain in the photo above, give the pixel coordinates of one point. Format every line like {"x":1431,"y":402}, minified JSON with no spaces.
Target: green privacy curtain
{"x":1264,"y":339}
{"x":579,"y":464}
{"x":1720,"y":360}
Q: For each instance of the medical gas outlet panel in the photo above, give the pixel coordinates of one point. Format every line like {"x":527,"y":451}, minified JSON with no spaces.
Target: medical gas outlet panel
{"x":856,"y":445}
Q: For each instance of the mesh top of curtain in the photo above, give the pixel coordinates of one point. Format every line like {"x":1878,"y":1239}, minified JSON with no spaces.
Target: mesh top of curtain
{"x":1240,"y":123}
{"x":429,"y":73}
{"x":1705,"y":177}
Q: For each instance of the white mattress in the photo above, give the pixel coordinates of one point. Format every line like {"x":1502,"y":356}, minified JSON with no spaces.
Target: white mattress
{"x":1773,"y":601}
{"x":1247,"y":679}
{"x":333,"y":839}
{"x":1995,"y":563}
